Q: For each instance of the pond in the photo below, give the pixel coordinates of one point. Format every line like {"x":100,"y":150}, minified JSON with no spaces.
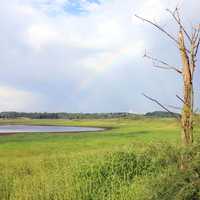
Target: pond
{"x":42,"y":129}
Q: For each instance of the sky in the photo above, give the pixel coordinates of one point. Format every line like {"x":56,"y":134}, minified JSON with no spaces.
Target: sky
{"x":87,"y":55}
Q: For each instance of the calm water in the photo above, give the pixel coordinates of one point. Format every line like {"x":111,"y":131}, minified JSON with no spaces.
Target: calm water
{"x":39,"y":129}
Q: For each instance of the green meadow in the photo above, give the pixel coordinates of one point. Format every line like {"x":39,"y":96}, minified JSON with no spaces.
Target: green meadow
{"x":131,"y":159}
{"x":120,"y":133}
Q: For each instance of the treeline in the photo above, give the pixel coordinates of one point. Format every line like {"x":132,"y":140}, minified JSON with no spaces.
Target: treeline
{"x":161,"y":114}
{"x":36,"y":115}
{"x":45,"y":115}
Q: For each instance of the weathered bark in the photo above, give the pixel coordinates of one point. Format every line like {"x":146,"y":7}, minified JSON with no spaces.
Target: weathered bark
{"x":187,"y":111}
{"x":188,"y":51}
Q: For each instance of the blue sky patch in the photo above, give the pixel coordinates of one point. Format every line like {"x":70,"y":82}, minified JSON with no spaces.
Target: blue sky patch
{"x":75,"y":7}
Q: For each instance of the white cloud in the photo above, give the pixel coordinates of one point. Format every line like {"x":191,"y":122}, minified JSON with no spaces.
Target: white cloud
{"x":38,"y":36}
{"x":20,"y":100}
{"x":152,"y":9}
{"x":100,"y":30}
{"x":44,"y":48}
{"x":120,"y":55}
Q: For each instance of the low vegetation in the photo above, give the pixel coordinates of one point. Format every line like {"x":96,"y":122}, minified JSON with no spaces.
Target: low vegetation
{"x":15,"y":115}
{"x":130,"y":161}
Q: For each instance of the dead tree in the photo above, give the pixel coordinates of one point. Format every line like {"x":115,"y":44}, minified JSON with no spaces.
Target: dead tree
{"x":188,"y":45}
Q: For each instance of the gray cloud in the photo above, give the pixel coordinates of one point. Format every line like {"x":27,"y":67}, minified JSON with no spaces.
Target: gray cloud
{"x":86,"y":63}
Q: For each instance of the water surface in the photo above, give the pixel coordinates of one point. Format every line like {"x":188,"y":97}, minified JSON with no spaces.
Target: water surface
{"x":48,"y":129}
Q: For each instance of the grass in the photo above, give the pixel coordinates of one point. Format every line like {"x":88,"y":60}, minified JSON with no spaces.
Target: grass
{"x":124,"y":132}
{"x":85,"y":166}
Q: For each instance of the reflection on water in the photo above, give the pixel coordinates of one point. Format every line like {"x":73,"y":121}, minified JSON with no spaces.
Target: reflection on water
{"x":39,"y":129}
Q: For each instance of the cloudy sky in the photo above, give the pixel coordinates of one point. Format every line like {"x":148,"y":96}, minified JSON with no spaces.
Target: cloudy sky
{"x":86,"y":55}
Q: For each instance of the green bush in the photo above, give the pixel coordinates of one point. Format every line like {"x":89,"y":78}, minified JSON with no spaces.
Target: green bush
{"x":173,"y":183}
{"x":106,"y":178}
{"x":151,"y":173}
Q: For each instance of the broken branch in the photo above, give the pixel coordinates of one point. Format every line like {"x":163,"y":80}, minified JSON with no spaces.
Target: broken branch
{"x":180,"y":99}
{"x":158,"y":27}
{"x":158,"y":103}
{"x":165,"y":64}
{"x":178,"y":20}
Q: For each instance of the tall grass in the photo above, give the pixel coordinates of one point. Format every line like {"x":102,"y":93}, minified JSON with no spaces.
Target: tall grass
{"x":119,"y":164}
{"x":151,"y":173}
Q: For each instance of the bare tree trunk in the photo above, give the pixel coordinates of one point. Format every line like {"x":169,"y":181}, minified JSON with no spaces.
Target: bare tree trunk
{"x":186,"y":118}
{"x":188,"y":51}
{"x":187,"y":112}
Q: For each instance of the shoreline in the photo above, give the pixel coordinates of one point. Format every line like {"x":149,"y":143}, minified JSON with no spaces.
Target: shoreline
{"x":101,"y":129}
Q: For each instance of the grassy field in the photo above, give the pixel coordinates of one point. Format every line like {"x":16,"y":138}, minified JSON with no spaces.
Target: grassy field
{"x":73,"y":166}
{"x":123,"y":133}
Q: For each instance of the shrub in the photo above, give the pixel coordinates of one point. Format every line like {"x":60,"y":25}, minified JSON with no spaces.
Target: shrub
{"x":106,"y":178}
{"x":173,"y":183}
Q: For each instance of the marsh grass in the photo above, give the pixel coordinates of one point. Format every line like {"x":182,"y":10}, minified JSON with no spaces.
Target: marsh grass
{"x":129,"y":162}
{"x":149,"y":173}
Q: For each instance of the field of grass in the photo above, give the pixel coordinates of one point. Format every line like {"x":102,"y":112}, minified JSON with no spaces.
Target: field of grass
{"x":89,"y":166}
{"x":123,"y":133}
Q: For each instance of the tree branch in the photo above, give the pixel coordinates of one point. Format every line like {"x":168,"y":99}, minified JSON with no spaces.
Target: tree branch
{"x":196,"y":39}
{"x":165,"y":64}
{"x":196,"y":34}
{"x":197,"y":47}
{"x":161,"y":29}
{"x":175,"y":107}
{"x":158,"y":27}
{"x":168,"y":68}
{"x":178,"y":20}
{"x":180,"y":99}
{"x":158,"y":103}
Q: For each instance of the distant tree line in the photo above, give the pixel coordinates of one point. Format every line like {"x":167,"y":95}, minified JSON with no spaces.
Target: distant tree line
{"x":45,"y":115}
{"x":63,"y":115}
{"x":161,"y":114}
